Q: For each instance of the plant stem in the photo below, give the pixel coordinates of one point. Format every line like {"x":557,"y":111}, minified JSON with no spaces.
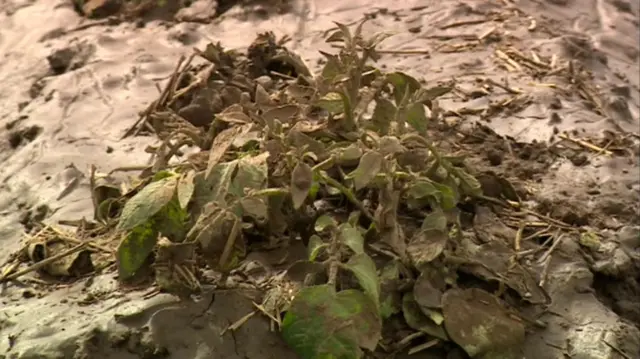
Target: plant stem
{"x":347,"y":193}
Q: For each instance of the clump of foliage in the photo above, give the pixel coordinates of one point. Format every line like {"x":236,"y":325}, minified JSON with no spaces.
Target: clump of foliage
{"x":341,"y":160}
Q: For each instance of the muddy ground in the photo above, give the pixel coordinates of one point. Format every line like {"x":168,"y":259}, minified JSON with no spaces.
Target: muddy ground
{"x":71,"y":87}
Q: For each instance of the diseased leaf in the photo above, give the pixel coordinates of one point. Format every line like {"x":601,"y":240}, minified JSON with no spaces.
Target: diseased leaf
{"x":369,"y":167}
{"x":134,"y":249}
{"x":365,"y":270}
{"x":351,"y":237}
{"x":479,"y":323}
{"x":301,"y":181}
{"x":321,"y":323}
{"x":146,"y":203}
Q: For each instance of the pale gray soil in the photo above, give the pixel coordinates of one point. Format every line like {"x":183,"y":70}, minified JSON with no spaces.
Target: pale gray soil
{"x":53,"y":127}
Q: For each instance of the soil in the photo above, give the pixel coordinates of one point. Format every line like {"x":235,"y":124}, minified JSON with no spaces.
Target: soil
{"x":564,"y":143}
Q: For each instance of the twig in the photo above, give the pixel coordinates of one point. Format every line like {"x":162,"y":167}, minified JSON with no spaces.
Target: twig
{"x":545,"y":271}
{"x":238,"y":323}
{"x":155,"y":104}
{"x":45,"y":262}
{"x":404,"y":52}
{"x":424,"y":346}
{"x":510,"y":90}
{"x":551,"y":249}
{"x":68,"y":238}
{"x":585,"y":144}
{"x":463,"y":23}
{"x":508,"y":60}
{"x":519,"y":236}
{"x":625,"y":355}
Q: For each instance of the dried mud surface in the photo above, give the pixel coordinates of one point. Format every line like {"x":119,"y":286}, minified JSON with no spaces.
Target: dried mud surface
{"x":70,"y":88}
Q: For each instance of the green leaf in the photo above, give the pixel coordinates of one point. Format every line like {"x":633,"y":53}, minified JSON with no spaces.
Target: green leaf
{"x":402,"y":83}
{"x":351,"y":237}
{"x":316,"y":244}
{"x":331,"y":69}
{"x":301,"y":181}
{"x":321,"y":323}
{"x":171,"y":220}
{"x":436,"y":220}
{"x":185,"y":188}
{"x":134,"y":249}
{"x":469,"y":184}
{"x":365,"y":270}
{"x":383,"y":114}
{"x":346,"y":34}
{"x":348,"y":155}
{"x":415,"y":116}
{"x":448,"y":198}
{"x":422,"y":188}
{"x":427,"y":95}
{"x":332,"y":102}
{"x":146,"y":203}
{"x":325,"y":222}
{"x":368,"y":168}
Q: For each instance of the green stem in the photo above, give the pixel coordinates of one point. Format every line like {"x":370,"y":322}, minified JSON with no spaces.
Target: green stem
{"x":349,"y":194}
